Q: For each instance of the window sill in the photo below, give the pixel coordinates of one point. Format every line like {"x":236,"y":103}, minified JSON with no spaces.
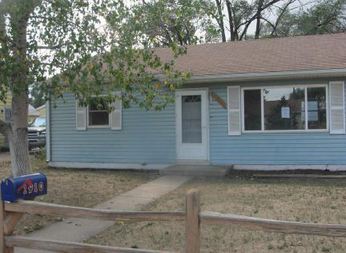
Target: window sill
{"x":96,"y":127}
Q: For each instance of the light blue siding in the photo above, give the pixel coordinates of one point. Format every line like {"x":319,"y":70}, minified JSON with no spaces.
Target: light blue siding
{"x":145,"y":138}
{"x":149,"y":138}
{"x":271,"y":148}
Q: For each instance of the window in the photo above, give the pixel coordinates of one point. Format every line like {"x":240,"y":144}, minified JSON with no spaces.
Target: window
{"x":284,"y":108}
{"x":317,"y":108}
{"x":252,"y":109}
{"x":98,"y":115}
{"x":191,"y":119}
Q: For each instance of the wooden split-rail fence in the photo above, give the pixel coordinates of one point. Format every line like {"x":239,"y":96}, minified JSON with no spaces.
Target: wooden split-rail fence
{"x":11,"y":213}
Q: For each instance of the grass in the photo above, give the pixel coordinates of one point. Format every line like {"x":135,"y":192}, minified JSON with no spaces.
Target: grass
{"x":305,"y":200}
{"x":84,"y":188}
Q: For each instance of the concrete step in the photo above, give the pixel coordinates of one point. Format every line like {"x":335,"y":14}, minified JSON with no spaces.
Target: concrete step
{"x":196,"y":170}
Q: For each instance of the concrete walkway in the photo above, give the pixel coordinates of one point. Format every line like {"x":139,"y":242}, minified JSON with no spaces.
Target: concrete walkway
{"x":78,"y":230}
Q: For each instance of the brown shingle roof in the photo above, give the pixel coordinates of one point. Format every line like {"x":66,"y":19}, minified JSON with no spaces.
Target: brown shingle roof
{"x":315,"y":52}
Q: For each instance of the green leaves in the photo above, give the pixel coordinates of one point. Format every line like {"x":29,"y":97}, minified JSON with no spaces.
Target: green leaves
{"x":89,"y":48}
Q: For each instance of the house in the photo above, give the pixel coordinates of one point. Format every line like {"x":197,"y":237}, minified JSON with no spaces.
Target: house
{"x":32,"y":113}
{"x":41,"y":110}
{"x":259,"y":104}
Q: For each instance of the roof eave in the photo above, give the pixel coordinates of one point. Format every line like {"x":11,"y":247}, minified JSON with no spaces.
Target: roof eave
{"x":302,"y":74}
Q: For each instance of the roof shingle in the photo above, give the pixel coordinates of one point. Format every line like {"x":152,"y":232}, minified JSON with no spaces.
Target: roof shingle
{"x":314,"y":52}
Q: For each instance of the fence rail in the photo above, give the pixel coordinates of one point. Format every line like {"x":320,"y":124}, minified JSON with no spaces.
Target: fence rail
{"x":31,"y":207}
{"x":11,"y":213}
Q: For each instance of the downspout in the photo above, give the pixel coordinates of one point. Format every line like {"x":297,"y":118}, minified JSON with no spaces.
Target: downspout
{"x":48,"y":132}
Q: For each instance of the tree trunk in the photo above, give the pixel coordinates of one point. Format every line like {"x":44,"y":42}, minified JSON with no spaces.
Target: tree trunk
{"x":18,"y":136}
{"x":231,"y":20}
{"x":18,"y":132}
{"x":258,"y":19}
{"x":220,"y":20}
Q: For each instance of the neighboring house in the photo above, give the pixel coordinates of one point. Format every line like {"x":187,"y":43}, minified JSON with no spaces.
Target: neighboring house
{"x":5,"y":113}
{"x":32,"y":113}
{"x":259,"y":104}
{"x":41,"y":110}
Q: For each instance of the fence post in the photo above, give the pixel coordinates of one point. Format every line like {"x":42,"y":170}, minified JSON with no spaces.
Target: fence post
{"x":192,"y":222}
{"x":2,"y":227}
{"x":3,"y":248}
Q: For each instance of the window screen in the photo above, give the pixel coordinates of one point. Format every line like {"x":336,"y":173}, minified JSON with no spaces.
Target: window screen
{"x":191,"y":119}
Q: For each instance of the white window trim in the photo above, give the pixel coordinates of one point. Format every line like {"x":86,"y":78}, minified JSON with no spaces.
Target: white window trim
{"x":97,"y":126}
{"x":284,"y":131}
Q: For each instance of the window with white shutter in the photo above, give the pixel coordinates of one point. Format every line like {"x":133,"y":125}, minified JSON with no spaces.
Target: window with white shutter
{"x":81,"y":116}
{"x":116,"y":114}
{"x":234,"y":126}
{"x":337,"y":107}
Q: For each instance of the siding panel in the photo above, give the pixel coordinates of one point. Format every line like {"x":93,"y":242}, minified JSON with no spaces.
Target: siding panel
{"x":146,"y":137}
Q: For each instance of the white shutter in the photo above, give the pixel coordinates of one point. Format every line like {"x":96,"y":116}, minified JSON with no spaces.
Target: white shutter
{"x":81,"y":116}
{"x":234,"y":117}
{"x":116,"y":114}
{"x":337,"y":107}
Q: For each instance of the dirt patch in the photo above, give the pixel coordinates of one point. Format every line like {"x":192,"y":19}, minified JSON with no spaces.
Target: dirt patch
{"x":303,"y":200}
{"x":4,"y":157}
{"x":84,"y":188}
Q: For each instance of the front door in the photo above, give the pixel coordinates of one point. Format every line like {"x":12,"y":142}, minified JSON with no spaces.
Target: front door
{"x":192,"y":124}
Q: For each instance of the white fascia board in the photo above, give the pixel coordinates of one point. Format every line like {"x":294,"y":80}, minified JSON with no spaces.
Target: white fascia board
{"x":319,"y":73}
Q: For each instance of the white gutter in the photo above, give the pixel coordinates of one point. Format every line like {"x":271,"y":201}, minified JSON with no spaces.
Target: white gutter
{"x":323,"y":73}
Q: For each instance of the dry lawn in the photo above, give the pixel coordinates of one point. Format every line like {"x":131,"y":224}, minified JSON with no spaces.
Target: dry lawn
{"x":84,"y":188}
{"x":295,"y":200}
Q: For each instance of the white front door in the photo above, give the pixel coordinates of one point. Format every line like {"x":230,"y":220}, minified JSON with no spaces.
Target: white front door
{"x":192,"y":124}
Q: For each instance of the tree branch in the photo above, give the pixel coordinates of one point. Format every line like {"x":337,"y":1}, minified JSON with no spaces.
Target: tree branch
{"x":248,"y":22}
{"x":50,"y":47}
{"x":283,"y":11}
{"x":269,"y":22}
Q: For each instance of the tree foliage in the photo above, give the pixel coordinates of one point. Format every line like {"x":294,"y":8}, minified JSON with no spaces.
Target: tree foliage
{"x":71,"y":48}
{"x":165,"y":21}
{"x":229,"y":20}
{"x":327,"y":16}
